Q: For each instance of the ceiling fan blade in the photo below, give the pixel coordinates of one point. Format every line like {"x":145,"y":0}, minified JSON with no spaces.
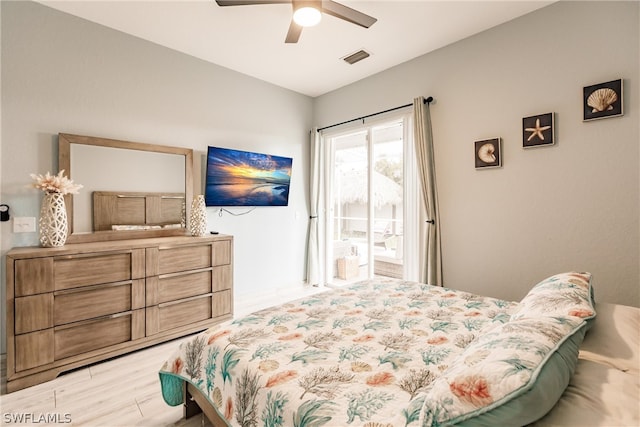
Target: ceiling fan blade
{"x":249,"y":2}
{"x":344,"y":12}
{"x":293,"y":35}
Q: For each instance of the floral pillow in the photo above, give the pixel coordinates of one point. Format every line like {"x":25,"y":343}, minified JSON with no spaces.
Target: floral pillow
{"x":512,"y":375}
{"x":566,"y":294}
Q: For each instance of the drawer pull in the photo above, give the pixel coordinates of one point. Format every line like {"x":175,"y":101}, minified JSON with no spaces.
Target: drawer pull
{"x":184,"y":273}
{"x":180,"y":246}
{"x":180,"y":301}
{"x":143,"y":196}
{"x":92,"y":288}
{"x":93,"y":255}
{"x":94,"y":320}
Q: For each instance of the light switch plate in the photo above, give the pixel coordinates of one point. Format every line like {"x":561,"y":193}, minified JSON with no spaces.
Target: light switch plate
{"x":24,"y":224}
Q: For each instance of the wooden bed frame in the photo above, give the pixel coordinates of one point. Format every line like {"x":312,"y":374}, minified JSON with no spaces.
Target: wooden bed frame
{"x":195,"y":403}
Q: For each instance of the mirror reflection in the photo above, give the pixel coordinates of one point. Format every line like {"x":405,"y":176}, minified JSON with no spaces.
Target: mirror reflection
{"x":121,"y":171}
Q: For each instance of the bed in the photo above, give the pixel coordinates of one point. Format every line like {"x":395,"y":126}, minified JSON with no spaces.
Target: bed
{"x":387,"y":352}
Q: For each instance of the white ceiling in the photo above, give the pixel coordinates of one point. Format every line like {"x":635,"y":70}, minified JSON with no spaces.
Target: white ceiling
{"x":250,"y":39}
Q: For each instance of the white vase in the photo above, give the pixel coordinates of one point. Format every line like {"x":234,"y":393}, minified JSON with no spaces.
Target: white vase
{"x":198,"y":217}
{"x":53,"y":221}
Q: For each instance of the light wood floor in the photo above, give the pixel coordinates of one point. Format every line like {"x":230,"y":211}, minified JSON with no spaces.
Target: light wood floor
{"x":121,"y":392}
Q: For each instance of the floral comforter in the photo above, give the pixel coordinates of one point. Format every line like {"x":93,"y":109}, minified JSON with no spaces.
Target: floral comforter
{"x":355,"y":356}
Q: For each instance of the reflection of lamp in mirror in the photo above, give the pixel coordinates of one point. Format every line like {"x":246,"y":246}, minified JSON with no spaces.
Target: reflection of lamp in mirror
{"x":183,"y":216}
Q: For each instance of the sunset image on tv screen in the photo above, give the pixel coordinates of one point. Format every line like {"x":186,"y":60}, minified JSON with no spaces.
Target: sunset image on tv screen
{"x":243,"y":178}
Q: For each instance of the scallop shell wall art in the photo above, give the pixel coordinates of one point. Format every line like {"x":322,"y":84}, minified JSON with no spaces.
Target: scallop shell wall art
{"x":487,"y":153}
{"x":602,"y":100}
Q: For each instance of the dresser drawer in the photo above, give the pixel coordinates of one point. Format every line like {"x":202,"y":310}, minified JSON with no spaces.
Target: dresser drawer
{"x":33,"y":349}
{"x":33,"y":313}
{"x":175,"y":286}
{"x":53,"y":344}
{"x":33,"y":276}
{"x":171,"y":315}
{"x":180,"y":258}
{"x":82,"y":337}
{"x":222,"y":303}
{"x":85,"y":270}
{"x":222,"y":278}
{"x":87,"y":302}
{"x":222,"y":252}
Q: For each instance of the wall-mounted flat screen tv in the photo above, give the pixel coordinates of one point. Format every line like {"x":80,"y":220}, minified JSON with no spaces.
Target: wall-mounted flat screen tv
{"x":244,"y":178}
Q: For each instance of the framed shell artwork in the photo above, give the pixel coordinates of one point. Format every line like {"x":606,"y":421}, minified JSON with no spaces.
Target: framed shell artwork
{"x":537,"y":131}
{"x":602,"y":100}
{"x":488,"y":153}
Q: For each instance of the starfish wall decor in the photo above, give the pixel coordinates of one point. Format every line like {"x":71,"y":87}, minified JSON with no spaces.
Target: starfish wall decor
{"x":537,"y":130}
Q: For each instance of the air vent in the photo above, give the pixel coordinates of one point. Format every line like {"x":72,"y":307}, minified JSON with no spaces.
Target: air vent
{"x":356,"y":56}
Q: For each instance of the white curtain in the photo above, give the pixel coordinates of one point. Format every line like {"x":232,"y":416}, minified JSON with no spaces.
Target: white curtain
{"x":430,"y":252}
{"x":314,"y":276}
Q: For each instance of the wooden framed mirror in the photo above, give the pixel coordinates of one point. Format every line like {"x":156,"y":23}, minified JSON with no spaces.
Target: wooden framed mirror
{"x":142,"y":179}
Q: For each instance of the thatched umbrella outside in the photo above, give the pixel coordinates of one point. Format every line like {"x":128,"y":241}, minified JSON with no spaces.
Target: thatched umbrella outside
{"x":352,"y":188}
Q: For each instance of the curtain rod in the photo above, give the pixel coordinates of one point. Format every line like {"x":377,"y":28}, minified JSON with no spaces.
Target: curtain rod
{"x":426,"y":101}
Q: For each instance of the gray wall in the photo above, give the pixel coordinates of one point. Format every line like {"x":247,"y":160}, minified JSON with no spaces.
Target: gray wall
{"x":572,"y":206}
{"x":64,"y":74}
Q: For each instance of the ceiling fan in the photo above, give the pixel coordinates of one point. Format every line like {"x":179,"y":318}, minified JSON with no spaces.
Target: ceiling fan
{"x":308,"y":13}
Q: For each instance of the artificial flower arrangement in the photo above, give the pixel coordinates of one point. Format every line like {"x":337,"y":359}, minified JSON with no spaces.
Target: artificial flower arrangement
{"x":55,"y":183}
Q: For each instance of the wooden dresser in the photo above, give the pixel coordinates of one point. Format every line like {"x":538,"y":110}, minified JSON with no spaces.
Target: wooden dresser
{"x":82,"y":303}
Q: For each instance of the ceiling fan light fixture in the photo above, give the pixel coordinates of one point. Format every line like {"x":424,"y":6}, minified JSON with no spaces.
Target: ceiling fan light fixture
{"x":307,"y":16}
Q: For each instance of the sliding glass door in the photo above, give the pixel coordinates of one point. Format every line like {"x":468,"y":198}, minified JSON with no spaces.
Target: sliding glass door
{"x":366,"y":200}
